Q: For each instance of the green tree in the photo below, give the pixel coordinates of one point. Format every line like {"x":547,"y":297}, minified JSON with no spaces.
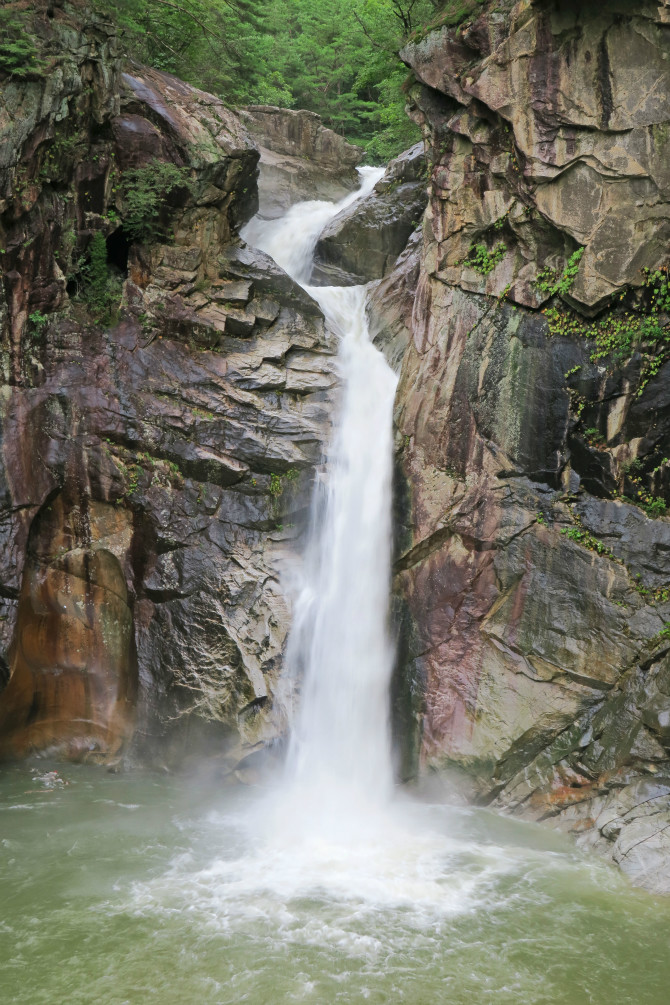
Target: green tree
{"x":335,"y":57}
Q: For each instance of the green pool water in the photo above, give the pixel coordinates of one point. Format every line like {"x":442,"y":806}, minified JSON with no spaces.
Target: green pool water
{"x":140,"y":888}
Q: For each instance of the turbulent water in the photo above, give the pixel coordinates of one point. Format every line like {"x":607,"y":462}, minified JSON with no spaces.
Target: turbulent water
{"x":145,"y":889}
{"x":328,"y":888}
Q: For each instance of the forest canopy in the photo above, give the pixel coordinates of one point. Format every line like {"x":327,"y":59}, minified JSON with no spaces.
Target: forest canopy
{"x":335,"y":57}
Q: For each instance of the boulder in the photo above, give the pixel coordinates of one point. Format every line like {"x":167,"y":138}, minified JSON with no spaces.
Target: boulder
{"x":363,"y":241}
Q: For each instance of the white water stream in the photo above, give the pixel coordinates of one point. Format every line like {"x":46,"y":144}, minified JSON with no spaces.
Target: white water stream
{"x":340,"y":757}
{"x":334,"y":824}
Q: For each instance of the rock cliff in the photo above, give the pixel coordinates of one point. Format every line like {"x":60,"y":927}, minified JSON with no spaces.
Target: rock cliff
{"x":532,"y":578}
{"x":301,"y":159}
{"x":166,"y":391}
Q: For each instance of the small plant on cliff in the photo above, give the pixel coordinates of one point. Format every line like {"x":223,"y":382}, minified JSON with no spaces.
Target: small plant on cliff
{"x":594,"y":436}
{"x":18,"y":52}
{"x":278,"y":484}
{"x":633,"y":467}
{"x":38,"y":322}
{"x":582,"y":536}
{"x":482,"y":260}
{"x":570,"y":272}
{"x":618,"y":333}
{"x":145,"y":191}
{"x":663,"y":634}
{"x":97,"y":272}
{"x":547,"y":281}
{"x":654,"y":506}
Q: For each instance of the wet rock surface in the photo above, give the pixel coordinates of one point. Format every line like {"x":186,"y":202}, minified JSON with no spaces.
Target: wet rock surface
{"x":72,"y":663}
{"x":300,"y":158}
{"x":179,"y":439}
{"x":363,"y":242}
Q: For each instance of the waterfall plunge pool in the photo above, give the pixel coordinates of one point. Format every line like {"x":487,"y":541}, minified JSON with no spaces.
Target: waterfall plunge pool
{"x":140,"y":888}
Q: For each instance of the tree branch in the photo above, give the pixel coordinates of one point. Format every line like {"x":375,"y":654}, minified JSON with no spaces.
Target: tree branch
{"x":369,"y":37}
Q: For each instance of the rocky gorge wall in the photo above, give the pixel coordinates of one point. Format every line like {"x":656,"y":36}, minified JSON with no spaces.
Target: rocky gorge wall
{"x":530,"y":326}
{"x":157,"y":448}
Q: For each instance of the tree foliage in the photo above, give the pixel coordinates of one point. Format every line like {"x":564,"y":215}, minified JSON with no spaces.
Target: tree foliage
{"x":145,"y":196}
{"x":335,"y":57}
{"x":18,"y":52}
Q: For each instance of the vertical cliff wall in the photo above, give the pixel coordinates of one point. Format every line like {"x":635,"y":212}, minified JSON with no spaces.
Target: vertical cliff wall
{"x":165,"y":395}
{"x":532,"y":577}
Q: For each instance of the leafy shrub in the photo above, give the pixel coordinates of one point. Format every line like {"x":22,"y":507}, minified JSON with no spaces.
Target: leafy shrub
{"x":38,"y":322}
{"x":100,"y":291}
{"x":654,"y":506}
{"x":145,"y":191}
{"x":97,"y":271}
{"x":484,"y":261}
{"x":632,"y":467}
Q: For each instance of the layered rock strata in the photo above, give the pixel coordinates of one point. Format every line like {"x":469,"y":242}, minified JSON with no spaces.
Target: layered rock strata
{"x":534,"y":595}
{"x":175,"y":440}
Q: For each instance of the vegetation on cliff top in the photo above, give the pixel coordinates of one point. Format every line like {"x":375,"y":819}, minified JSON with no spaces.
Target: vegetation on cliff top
{"x":338,"y":58}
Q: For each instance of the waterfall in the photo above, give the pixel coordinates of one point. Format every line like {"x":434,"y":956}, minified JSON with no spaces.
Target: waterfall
{"x":340,"y":744}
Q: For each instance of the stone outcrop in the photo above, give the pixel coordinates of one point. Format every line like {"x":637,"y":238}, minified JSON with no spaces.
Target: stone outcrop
{"x":363,"y":241}
{"x":533,"y":595}
{"x":300,"y":158}
{"x":155,"y":465}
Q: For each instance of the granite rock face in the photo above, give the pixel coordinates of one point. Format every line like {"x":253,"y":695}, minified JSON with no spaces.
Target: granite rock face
{"x":532,"y":596}
{"x":300,"y":158}
{"x":74,"y":672}
{"x":363,"y":241}
{"x":550,"y":130}
{"x":154,"y":468}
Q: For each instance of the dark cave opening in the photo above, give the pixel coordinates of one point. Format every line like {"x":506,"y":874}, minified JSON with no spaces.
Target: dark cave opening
{"x":118,"y":247}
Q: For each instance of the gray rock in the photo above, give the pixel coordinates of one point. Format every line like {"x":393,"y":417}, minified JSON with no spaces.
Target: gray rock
{"x":300,"y":158}
{"x":363,"y":241}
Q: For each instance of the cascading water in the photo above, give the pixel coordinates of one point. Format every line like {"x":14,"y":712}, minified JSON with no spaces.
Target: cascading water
{"x":340,"y":750}
{"x":134,"y":889}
